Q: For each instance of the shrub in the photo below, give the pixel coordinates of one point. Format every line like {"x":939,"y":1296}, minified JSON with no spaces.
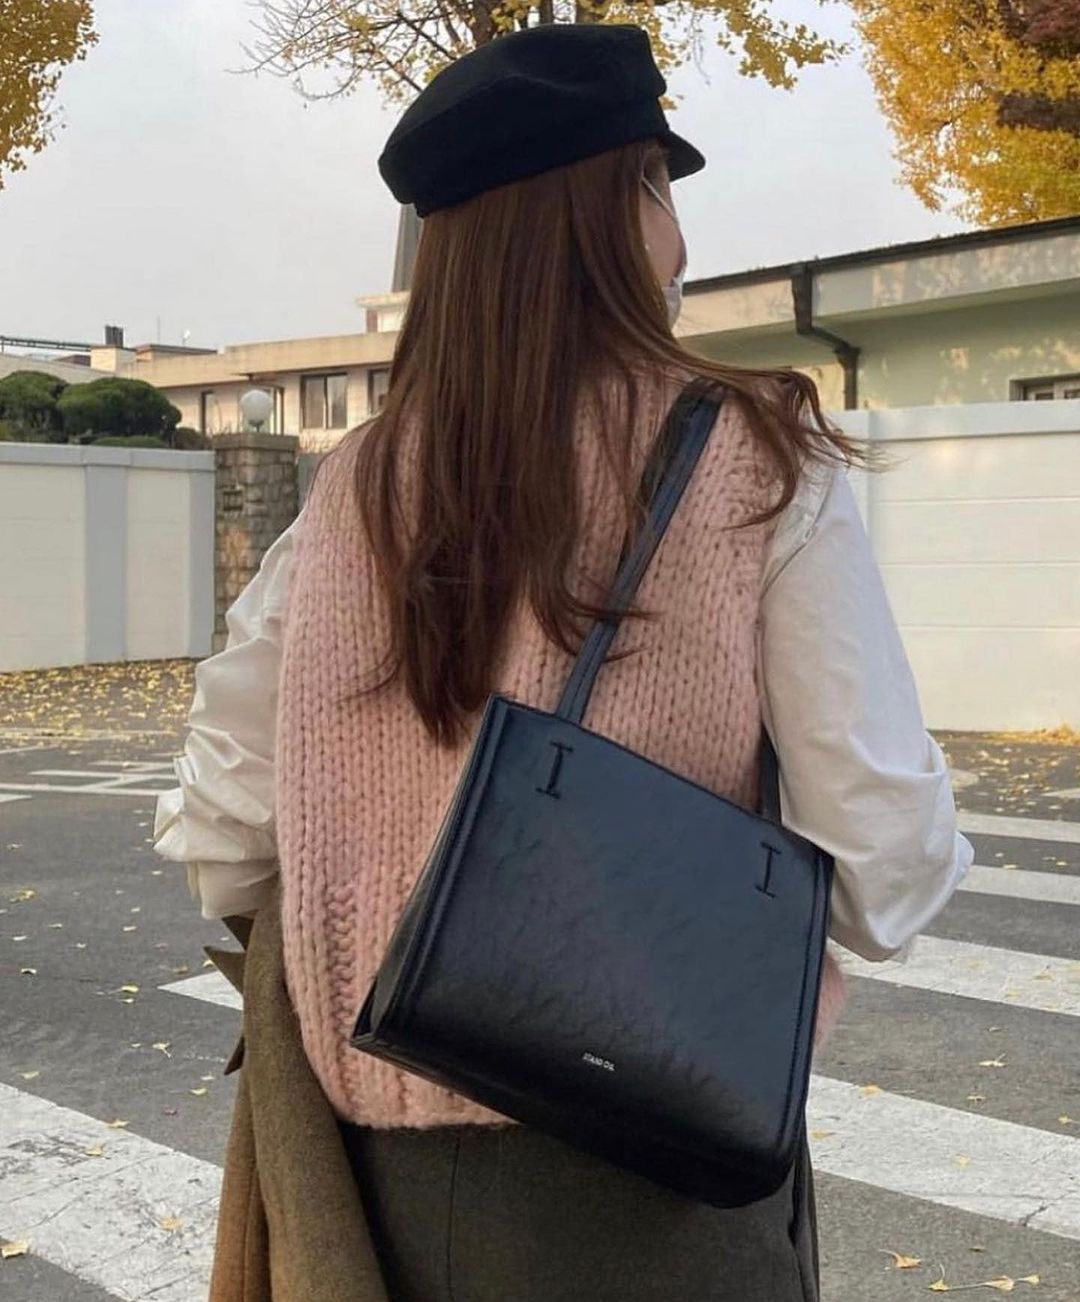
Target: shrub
{"x":29,"y":405}
{"x":117,"y":407}
{"x":187,"y":439}
{"x":129,"y":441}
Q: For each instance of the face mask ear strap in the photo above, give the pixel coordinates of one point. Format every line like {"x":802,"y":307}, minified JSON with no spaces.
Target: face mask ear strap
{"x":658,"y":197}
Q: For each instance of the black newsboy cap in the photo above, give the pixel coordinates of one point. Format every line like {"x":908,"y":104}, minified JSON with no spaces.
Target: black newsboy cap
{"x":526,"y":103}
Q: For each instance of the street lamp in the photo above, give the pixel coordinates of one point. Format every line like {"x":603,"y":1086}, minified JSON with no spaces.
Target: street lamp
{"x":257,"y":405}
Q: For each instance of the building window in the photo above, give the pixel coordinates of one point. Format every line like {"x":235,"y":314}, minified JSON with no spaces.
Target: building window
{"x":1063,"y":386}
{"x":378,"y":380}
{"x":324,"y":401}
{"x":209,"y":412}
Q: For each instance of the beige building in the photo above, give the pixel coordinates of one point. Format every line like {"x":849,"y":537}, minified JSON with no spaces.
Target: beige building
{"x":985,"y":316}
{"x":321,"y":387}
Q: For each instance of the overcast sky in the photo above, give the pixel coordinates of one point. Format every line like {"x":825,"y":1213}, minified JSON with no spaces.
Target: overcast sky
{"x":183,"y":197}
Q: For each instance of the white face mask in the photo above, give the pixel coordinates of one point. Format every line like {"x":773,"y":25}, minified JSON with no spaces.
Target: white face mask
{"x":673,"y":292}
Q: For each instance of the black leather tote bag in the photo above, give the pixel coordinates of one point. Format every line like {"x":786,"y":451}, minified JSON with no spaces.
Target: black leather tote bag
{"x":606,"y":951}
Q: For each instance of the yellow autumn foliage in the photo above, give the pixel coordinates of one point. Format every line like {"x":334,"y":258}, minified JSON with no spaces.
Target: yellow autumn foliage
{"x":956,"y":79}
{"x":38,"y":39}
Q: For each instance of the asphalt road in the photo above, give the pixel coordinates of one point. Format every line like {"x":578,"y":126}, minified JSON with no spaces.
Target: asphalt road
{"x":945,"y":1114}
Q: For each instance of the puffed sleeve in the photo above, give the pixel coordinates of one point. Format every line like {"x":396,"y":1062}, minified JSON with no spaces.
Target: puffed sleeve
{"x":860,"y":774}
{"x":219,"y":821}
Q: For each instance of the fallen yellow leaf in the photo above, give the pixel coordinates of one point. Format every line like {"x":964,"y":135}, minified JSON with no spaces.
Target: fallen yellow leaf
{"x":962,"y":1160}
{"x":868,"y":1090}
{"x":976,"y":1098}
{"x":131,"y":928}
{"x":900,"y":1262}
{"x":130,"y":990}
{"x":28,"y":971}
{"x":199,"y":1092}
{"x":1063,"y":1120}
{"x":207,"y":962}
{"x":29,"y":1075}
{"x":993,"y":1062}
{"x":95,"y":1150}
{"x":116,"y":1125}
{"x":17,"y":1248}
{"x":821,"y":1134}
{"x":163,"y":1045}
{"x":21,"y":896}
{"x":170,"y":1222}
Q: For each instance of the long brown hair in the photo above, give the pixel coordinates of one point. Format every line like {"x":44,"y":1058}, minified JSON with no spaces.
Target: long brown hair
{"x":523,"y":299}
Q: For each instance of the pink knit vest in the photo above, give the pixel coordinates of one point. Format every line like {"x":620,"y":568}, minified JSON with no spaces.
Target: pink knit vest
{"x":362,"y":789}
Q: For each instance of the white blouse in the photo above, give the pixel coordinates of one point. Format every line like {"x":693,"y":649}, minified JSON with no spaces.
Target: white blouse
{"x":860,"y":775}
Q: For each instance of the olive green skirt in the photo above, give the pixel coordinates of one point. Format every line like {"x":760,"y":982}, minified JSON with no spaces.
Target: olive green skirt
{"x":507,"y":1214}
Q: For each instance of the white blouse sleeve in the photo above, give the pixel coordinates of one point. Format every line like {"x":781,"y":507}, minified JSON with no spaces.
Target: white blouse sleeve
{"x":220,"y":820}
{"x":860,"y":775}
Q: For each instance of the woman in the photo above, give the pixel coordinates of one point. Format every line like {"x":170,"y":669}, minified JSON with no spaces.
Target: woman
{"x":459,"y":544}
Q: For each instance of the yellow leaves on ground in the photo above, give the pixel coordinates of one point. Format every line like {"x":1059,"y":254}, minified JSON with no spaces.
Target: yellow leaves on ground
{"x":131,"y":698}
{"x":901,"y":1262}
{"x":16,"y":1248}
{"x":95,"y":1150}
{"x":116,"y":1125}
{"x":821,"y":1134}
{"x":170,"y":1223}
{"x":130,"y":989}
{"x":1003,"y":1284}
{"x":993,"y":1062}
{"x":21,"y":896}
{"x":199,"y":1092}
{"x":29,"y":1075}
{"x":163,"y":1045}
{"x":868,"y":1091}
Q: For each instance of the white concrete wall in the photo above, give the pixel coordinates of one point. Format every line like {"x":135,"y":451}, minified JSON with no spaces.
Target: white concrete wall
{"x":108,"y":554}
{"x":977,"y":532}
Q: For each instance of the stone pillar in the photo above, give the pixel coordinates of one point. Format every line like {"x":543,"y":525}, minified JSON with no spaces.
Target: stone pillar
{"x":256,"y":501}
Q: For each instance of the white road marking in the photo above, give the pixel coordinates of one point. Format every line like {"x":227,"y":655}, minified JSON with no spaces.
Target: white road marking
{"x":1018,"y":883}
{"x":1009,"y":1172}
{"x":1072,"y":793}
{"x":942,"y":1155}
{"x":6,"y":799}
{"x":997,"y":976}
{"x":1024,"y":829}
{"x":98,"y":1217}
{"x":211,"y":987}
{"x":100,"y":787}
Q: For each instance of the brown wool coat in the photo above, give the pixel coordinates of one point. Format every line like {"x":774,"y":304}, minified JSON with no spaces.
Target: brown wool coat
{"x":291,"y":1225}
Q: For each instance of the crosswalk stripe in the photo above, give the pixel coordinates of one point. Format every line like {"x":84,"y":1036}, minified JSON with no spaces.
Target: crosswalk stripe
{"x":953,"y":967}
{"x":6,"y":799}
{"x":998,"y":976}
{"x":1022,"y":829}
{"x":1021,"y":884}
{"x":99,"y":1217}
{"x":210,"y":987}
{"x":947,"y":1156}
{"x":960,"y":1159}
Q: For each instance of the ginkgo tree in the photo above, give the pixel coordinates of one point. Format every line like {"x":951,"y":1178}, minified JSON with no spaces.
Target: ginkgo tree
{"x":983,"y":96}
{"x":38,"y":40}
{"x":402,"y":44}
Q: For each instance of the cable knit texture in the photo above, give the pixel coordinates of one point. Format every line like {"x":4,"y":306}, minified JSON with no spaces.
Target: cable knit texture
{"x":361,"y":788}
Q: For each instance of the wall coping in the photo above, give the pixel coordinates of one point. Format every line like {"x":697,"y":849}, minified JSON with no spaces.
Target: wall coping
{"x":961,"y":420}
{"x":67,"y":454}
{"x":259,"y":442}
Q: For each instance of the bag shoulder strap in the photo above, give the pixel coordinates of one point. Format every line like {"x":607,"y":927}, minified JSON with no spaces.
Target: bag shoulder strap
{"x":671,"y":464}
